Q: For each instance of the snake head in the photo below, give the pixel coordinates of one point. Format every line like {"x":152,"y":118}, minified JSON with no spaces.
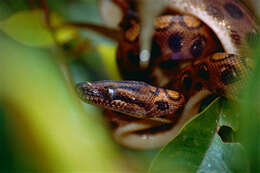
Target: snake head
{"x":134,"y":98}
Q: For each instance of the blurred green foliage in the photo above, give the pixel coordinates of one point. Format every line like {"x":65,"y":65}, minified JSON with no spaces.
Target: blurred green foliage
{"x":250,"y":110}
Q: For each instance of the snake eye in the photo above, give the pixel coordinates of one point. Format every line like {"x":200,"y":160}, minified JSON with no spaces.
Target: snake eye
{"x":111,"y":92}
{"x":108,"y":92}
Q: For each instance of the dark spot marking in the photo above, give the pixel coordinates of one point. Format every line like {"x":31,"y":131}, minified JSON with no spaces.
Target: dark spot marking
{"x":230,"y":75}
{"x":203,"y":71}
{"x":197,"y":47}
{"x":235,"y":37}
{"x":187,"y":81}
{"x":162,"y":105}
{"x":133,"y":58}
{"x":215,"y":12}
{"x":156,"y":49}
{"x":170,"y":63}
{"x":175,"y":42}
{"x":233,"y":11}
{"x":198,"y":86}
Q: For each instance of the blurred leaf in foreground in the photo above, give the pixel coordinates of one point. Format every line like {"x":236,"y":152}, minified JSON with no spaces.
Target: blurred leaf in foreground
{"x":198,"y":148}
{"x":49,"y":128}
{"x":250,"y":110}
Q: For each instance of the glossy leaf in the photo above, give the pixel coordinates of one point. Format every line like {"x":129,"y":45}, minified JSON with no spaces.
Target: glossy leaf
{"x":198,"y":148}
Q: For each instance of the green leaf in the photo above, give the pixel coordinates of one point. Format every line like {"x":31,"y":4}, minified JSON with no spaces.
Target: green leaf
{"x":198,"y":148}
{"x":224,"y":157}
{"x":27,"y":27}
{"x":229,"y":116}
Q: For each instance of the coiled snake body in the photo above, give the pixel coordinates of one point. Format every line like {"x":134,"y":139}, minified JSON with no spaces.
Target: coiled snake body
{"x":196,"y":50}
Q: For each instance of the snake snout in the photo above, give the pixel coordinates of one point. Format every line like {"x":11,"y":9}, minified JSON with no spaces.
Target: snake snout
{"x":84,"y":89}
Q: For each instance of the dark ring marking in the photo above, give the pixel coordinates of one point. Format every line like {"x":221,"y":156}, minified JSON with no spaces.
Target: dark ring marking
{"x":169,"y":97}
{"x":162,"y":105}
{"x":233,"y":11}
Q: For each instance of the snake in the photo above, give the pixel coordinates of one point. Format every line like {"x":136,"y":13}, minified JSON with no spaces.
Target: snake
{"x":197,"y":50}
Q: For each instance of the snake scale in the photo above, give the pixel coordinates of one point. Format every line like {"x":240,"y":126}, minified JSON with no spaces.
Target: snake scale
{"x":196,"y":51}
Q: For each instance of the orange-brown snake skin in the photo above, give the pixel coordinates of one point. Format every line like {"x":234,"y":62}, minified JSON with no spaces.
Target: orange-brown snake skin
{"x":196,"y":52}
